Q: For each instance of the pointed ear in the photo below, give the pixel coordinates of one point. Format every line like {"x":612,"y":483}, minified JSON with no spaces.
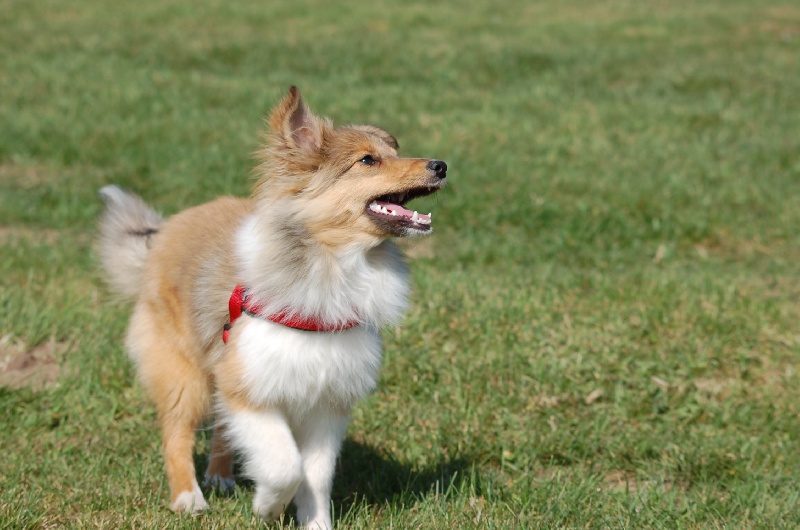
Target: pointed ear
{"x":295,"y":124}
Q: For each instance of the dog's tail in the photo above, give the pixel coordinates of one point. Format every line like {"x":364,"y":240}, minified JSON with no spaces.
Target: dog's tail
{"x":127,"y":229}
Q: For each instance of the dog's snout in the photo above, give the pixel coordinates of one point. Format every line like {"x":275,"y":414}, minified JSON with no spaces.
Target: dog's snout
{"x":438,"y":167}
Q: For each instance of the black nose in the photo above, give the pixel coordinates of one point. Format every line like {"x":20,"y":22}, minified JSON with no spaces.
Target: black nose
{"x":438,"y":167}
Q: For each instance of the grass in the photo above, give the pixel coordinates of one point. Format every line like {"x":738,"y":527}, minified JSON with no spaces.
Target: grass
{"x":604,"y":331}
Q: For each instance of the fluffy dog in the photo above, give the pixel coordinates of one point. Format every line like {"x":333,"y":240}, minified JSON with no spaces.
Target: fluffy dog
{"x":300,"y":277}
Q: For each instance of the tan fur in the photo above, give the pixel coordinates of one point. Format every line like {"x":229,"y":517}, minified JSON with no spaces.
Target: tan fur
{"x":174,"y":354}
{"x":191,"y":268}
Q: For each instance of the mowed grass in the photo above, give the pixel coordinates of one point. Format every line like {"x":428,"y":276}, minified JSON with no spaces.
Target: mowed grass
{"x":605,"y":323}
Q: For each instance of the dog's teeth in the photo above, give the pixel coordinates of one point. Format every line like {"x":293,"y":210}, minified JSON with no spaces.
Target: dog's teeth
{"x":430,"y":216}
{"x":384,"y":210}
{"x":415,"y":217}
{"x":392,"y":212}
{"x":374,"y":207}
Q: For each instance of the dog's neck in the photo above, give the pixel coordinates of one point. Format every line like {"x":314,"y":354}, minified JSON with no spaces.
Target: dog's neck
{"x":285,"y":269}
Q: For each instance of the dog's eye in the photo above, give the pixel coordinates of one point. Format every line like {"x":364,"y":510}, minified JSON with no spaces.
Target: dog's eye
{"x":368,"y":160}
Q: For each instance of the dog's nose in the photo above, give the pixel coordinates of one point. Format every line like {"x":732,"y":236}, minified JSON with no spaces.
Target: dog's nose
{"x":438,"y":167}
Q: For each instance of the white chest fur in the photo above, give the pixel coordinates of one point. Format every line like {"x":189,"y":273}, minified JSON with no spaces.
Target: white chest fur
{"x":301,"y":370}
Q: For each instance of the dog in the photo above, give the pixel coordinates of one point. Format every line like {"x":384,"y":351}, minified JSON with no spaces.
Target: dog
{"x":298,"y":279}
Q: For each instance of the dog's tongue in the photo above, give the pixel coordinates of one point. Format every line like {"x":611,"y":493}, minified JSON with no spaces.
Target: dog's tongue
{"x":397,"y":210}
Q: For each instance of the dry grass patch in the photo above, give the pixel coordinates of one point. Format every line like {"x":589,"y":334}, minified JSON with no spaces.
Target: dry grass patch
{"x":35,"y":367}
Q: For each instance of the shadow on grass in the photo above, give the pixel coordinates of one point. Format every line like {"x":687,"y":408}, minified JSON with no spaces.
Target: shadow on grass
{"x":365,"y":474}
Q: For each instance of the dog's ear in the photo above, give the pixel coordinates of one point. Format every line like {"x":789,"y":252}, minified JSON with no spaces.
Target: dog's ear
{"x":295,"y":124}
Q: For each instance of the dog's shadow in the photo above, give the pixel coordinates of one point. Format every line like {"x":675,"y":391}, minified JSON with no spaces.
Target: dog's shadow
{"x":368,"y":476}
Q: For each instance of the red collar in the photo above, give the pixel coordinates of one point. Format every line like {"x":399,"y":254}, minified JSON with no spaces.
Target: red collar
{"x":239,"y":304}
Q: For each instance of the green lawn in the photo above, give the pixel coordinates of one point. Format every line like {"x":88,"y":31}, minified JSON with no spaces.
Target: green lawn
{"x":605,"y":323}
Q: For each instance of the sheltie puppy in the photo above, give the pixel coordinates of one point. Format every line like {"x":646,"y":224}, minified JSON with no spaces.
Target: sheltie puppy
{"x":299,"y":278}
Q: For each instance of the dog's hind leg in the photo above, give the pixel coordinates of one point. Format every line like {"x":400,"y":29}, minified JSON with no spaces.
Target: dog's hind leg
{"x":219,"y":474}
{"x":182,"y":395}
{"x":182,"y":405}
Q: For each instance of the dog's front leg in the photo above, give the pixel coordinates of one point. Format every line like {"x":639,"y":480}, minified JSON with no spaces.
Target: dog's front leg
{"x":271,"y":457}
{"x":319,"y":440}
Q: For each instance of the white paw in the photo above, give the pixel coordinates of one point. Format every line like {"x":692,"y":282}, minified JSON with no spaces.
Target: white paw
{"x":268,"y":509}
{"x":190,"y":502}
{"x":270,"y":503}
{"x":320,"y":523}
{"x":272,"y":496}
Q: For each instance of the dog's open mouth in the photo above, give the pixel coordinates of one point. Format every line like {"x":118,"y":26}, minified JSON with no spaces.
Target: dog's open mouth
{"x":389,"y":209}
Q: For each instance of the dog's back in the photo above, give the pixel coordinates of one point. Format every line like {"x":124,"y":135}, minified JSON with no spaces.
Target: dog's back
{"x":180,"y":271}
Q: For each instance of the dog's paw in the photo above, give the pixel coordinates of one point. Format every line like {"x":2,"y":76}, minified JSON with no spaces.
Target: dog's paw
{"x":190,"y":502}
{"x":266,"y":510}
{"x":270,"y":507}
{"x":322,"y":523}
{"x":224,"y":485}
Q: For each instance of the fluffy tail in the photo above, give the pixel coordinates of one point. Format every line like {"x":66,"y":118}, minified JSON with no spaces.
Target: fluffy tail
{"x":127,"y":228}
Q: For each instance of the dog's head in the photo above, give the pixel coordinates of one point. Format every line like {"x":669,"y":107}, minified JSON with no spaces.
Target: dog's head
{"x":343,"y":184}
